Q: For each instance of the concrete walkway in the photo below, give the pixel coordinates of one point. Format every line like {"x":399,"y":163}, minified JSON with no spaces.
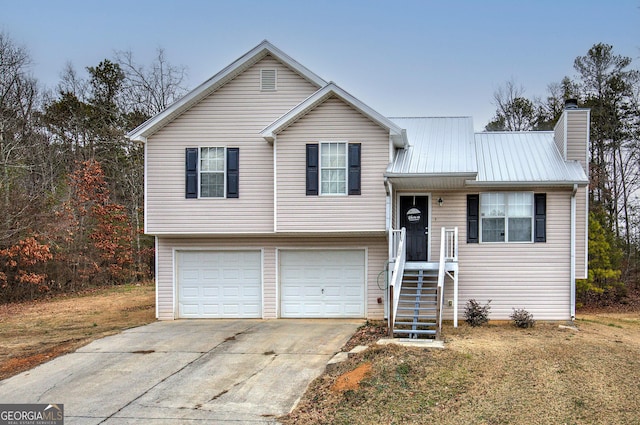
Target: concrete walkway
{"x":186,"y":371}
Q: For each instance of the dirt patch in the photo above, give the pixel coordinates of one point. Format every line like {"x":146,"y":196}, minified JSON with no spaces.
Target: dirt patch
{"x":369,"y":333}
{"x":495,"y":374}
{"x":32,"y":333}
{"x":351,"y":380}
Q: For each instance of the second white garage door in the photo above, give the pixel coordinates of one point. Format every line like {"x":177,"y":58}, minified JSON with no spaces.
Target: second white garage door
{"x":322,"y":283}
{"x":217,"y":284}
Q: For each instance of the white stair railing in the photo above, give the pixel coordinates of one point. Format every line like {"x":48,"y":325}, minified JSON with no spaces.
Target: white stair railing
{"x":395,"y":284}
{"x":448,"y":253}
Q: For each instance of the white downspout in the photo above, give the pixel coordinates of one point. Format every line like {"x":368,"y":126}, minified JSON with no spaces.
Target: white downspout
{"x":573,"y":253}
{"x":275,"y":185}
{"x":156,"y":261}
{"x":389,"y":191}
{"x":145,"y":185}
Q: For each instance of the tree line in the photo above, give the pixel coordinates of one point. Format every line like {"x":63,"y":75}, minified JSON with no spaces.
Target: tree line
{"x":71,"y":183}
{"x":609,"y":85}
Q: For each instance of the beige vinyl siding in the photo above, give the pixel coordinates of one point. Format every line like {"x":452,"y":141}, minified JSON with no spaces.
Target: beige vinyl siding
{"x":232,"y":117}
{"x":577,"y":148}
{"x":333,"y":120}
{"x":559,"y":136}
{"x":534,"y":276}
{"x":577,"y":133}
{"x":165,"y":277}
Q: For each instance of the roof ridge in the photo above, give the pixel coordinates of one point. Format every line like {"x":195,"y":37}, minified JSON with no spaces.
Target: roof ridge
{"x":422,"y":117}
{"x":515,"y":132}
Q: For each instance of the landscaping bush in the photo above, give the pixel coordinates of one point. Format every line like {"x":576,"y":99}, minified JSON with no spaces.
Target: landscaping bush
{"x":476,"y":314}
{"x":522,"y":318}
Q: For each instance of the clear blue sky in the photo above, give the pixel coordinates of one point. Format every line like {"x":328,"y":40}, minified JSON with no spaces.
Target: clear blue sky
{"x":403,"y":57}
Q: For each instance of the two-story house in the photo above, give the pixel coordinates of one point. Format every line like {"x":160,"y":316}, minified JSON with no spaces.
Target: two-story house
{"x":273,"y":193}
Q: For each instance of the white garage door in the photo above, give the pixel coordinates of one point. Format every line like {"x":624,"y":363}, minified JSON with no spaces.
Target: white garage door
{"x":327,"y":283}
{"x":219,"y":284}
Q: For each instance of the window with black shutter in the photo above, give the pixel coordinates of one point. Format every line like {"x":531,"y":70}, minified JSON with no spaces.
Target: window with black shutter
{"x":233,"y":172}
{"x":212,"y":172}
{"x":540,"y":201}
{"x":473,"y":209}
{"x":354,"y":168}
{"x":191,"y":174}
{"x":312,"y":169}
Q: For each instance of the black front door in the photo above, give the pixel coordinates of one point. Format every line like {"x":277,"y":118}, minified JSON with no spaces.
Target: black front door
{"x":413,"y":217}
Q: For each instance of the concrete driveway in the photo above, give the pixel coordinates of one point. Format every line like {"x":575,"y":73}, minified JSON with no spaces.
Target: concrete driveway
{"x":186,"y":371}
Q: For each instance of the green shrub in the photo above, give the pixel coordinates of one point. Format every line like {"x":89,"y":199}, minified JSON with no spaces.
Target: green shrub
{"x":476,"y":314}
{"x":522,"y":318}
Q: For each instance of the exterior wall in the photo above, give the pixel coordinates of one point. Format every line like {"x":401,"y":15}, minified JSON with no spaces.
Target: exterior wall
{"x":232,"y":116}
{"x":534,"y":276}
{"x":165,"y":275}
{"x":559,"y":135}
{"x":333,"y":120}
{"x":577,"y":136}
{"x":577,"y":149}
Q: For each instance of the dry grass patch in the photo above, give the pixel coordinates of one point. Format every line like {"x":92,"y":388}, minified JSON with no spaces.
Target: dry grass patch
{"x":497,"y":374}
{"x":35,"y":332}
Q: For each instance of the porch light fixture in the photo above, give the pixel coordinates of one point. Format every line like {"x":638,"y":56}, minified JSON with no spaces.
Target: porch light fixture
{"x":440,"y":202}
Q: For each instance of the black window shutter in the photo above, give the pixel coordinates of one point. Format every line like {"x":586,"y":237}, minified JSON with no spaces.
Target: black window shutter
{"x":312,"y":169}
{"x":191,"y":173}
{"x":540,"y":232}
{"x":354,"y":168}
{"x":233,"y":172}
{"x":473,"y":212}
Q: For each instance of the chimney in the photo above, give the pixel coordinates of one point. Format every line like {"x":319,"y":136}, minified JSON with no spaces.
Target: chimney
{"x":571,"y":104}
{"x":571,"y":133}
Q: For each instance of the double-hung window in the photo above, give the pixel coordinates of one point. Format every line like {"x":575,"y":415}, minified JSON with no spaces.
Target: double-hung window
{"x":212,"y":172}
{"x":333,"y":168}
{"x":506,"y":216}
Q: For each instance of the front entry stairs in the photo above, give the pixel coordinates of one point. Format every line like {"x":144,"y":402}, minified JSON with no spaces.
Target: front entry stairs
{"x":417,"y":312}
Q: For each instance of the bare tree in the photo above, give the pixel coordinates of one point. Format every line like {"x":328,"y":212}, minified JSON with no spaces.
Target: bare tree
{"x":18,"y":102}
{"x":514,"y":112}
{"x":151,"y":89}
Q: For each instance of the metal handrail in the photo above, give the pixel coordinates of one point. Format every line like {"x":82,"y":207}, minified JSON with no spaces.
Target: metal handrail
{"x":441,"y":272}
{"x":448,"y":253}
{"x":395,"y":284}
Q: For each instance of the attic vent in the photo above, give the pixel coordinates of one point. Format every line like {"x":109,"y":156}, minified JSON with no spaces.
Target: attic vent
{"x":268,"y":79}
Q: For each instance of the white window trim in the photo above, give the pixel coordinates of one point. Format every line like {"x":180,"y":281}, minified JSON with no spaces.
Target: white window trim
{"x":346,"y":168}
{"x":506,"y":219}
{"x":275,"y":79}
{"x":224,"y":173}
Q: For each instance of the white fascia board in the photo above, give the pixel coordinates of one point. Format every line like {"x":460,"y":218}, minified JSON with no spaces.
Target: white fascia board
{"x":398,"y":135}
{"x":213,"y":83}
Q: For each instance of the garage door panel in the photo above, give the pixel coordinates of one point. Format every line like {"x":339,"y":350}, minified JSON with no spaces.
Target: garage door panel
{"x":216,"y":284}
{"x":248,"y":292}
{"x":353,"y":309}
{"x":210,"y":292}
{"x":210,"y":310}
{"x":322,"y":283}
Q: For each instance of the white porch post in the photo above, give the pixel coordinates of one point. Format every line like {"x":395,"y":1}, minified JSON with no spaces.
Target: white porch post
{"x":455,"y":300}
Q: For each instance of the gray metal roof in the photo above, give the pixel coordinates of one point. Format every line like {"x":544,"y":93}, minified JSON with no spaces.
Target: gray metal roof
{"x":437,"y":146}
{"x":523,"y":158}
{"x":446,"y":153}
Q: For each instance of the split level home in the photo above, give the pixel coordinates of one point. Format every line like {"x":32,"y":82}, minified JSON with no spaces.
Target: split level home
{"x":273,"y":193}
